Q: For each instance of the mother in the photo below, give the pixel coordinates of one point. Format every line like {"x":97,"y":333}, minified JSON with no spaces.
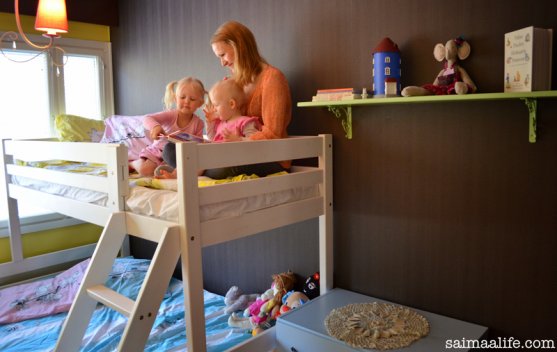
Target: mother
{"x":266,"y":87}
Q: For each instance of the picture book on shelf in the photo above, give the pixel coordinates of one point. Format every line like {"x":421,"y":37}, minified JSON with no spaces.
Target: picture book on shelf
{"x":528,"y":59}
{"x":336,"y":94}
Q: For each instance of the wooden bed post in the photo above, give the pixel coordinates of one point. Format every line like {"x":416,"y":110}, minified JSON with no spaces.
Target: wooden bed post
{"x":118,"y":174}
{"x":326,"y":220}
{"x":190,"y":240}
{"x":14,"y":225}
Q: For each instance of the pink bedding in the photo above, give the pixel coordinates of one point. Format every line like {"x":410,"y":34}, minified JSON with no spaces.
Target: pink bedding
{"x":41,"y":298}
{"x":127,"y":130}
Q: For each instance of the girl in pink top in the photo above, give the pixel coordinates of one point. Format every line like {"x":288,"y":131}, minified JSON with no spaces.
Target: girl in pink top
{"x":182,"y":98}
{"x":228,"y":100}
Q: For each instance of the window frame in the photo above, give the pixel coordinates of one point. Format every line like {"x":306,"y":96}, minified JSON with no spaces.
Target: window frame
{"x":71,"y":46}
{"x":103,"y":50}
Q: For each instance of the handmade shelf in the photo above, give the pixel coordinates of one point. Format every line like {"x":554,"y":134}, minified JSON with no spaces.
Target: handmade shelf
{"x":343,"y":109}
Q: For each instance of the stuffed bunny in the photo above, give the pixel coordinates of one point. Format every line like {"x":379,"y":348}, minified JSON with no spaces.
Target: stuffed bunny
{"x":452,"y":79}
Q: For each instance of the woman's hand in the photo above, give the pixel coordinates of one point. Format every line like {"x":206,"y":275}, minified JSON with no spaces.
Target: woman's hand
{"x":156,"y":132}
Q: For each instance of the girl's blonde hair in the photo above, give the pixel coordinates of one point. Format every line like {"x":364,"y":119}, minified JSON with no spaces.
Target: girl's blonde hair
{"x":175,"y":86}
{"x":248,"y":63}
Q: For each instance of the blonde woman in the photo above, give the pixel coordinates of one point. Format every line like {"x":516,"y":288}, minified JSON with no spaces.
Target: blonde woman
{"x":267,"y":93}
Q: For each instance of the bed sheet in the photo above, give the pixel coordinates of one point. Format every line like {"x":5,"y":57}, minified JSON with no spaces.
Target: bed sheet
{"x":158,"y":198}
{"x":107,"y":325}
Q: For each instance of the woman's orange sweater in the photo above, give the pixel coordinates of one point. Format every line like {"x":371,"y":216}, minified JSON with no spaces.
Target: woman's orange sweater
{"x":271,"y":100}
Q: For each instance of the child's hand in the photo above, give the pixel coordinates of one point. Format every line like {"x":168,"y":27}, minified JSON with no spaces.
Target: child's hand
{"x":210,"y":112}
{"x":231,"y":136}
{"x":156,"y":132}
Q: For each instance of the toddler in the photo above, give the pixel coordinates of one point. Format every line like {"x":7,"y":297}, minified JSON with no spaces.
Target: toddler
{"x":228,"y":122}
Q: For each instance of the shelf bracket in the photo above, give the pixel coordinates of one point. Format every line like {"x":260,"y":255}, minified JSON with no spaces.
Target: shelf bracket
{"x":531,"y":104}
{"x":346,"y":120}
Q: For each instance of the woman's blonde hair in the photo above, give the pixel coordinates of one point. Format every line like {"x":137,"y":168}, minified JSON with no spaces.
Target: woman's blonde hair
{"x":248,"y":63}
{"x":169,"y":98}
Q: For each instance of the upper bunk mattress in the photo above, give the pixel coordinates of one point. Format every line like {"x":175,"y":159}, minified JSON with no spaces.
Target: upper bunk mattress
{"x":158,"y":198}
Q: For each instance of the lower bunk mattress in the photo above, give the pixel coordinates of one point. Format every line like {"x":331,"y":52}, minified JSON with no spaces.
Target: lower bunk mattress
{"x":158,"y":198}
{"x":32,"y":314}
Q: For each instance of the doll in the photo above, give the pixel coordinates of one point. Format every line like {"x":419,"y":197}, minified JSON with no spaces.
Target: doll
{"x":452,"y":79}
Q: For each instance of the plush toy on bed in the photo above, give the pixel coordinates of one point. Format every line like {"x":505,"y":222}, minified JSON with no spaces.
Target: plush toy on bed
{"x":236,"y":300}
{"x":452,"y":79}
{"x":311,"y":286}
{"x":292,"y":300}
{"x":262,"y":313}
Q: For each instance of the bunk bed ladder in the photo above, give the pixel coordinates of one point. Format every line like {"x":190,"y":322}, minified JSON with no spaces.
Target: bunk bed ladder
{"x":142,"y":312}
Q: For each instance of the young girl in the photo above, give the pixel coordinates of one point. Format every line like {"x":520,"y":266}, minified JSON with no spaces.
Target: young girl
{"x":228,"y":99}
{"x":182,"y":98}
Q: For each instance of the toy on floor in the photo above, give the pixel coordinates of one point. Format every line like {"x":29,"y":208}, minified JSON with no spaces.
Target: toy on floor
{"x":452,"y":79}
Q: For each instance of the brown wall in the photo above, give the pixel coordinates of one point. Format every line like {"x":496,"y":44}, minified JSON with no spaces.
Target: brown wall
{"x":444,"y":207}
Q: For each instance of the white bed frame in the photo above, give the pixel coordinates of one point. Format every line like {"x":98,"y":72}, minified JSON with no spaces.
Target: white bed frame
{"x":195,"y":234}
{"x":115,"y":185}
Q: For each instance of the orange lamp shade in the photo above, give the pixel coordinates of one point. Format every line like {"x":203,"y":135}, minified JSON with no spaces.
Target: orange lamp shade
{"x":51,"y":17}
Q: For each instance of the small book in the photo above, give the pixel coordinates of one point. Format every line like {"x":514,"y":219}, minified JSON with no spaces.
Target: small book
{"x":335,"y":91}
{"x":181,"y":136}
{"x":528,"y":59}
{"x":336,"y":94}
{"x":335,"y":97}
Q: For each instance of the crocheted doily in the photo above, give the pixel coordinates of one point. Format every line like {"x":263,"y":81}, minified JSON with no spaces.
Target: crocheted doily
{"x":376,"y":325}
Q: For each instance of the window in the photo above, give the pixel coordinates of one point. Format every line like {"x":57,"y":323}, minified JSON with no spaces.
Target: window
{"x":387,"y":71}
{"x":387,"y":59}
{"x":35,"y":92}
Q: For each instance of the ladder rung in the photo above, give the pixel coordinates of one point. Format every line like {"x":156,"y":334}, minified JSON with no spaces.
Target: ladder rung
{"x":112,"y":299}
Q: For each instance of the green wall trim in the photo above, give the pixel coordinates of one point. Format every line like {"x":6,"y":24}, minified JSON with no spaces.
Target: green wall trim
{"x":36,"y":243}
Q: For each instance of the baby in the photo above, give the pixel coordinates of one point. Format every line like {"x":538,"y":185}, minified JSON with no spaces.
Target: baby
{"x":228,"y":122}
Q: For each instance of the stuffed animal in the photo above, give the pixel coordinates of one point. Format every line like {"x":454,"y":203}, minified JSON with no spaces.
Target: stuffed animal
{"x":264,"y":310}
{"x":236,"y":300}
{"x":292,"y":300}
{"x":253,"y":316}
{"x":452,"y":79}
{"x":311,"y":286}
{"x":282,"y":283}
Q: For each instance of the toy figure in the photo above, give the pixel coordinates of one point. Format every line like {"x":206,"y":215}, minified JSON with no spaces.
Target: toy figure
{"x":236,"y":300}
{"x":311,"y":286}
{"x":386,"y":69}
{"x":452,"y":79}
{"x":266,"y":308}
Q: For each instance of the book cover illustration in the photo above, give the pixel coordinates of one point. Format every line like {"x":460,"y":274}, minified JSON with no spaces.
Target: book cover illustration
{"x":528,"y":59}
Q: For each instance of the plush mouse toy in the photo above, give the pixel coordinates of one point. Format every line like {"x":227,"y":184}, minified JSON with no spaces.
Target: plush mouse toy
{"x":452,"y":79}
{"x":236,"y":300}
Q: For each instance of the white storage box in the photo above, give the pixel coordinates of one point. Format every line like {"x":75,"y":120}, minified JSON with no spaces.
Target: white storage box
{"x":303,"y":329}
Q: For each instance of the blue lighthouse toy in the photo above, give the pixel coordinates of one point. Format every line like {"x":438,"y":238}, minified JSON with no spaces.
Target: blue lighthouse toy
{"x":386,"y":69}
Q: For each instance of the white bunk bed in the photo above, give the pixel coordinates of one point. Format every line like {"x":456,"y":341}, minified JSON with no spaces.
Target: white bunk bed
{"x":194,"y":232}
{"x":115,"y":185}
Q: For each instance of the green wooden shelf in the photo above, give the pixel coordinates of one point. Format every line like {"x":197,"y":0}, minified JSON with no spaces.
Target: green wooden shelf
{"x":343,"y":109}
